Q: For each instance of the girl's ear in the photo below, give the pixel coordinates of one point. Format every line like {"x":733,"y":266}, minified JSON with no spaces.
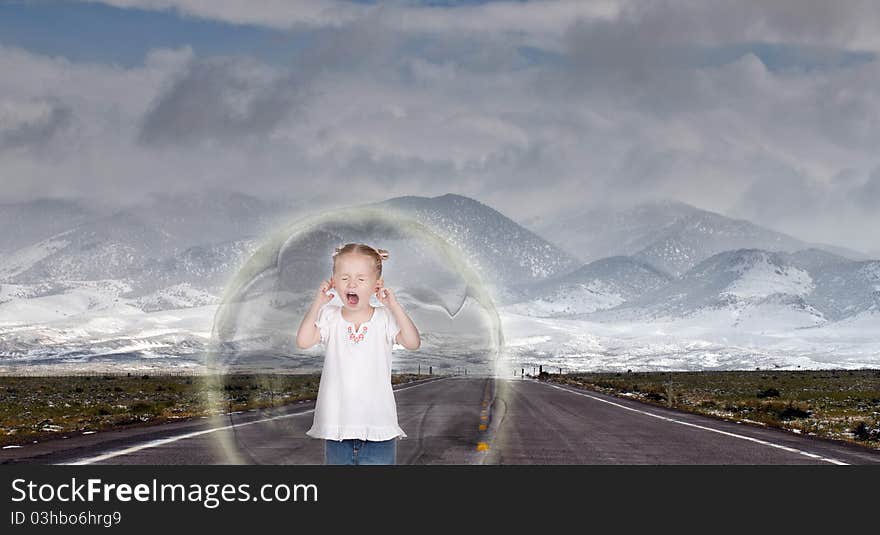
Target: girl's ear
{"x":380,"y":282}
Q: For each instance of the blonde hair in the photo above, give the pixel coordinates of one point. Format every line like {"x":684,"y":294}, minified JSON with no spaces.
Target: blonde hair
{"x":378,"y":255}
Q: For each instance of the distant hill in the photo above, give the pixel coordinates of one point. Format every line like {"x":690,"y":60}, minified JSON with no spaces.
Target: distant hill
{"x":671,"y":236}
{"x":599,"y":285}
{"x":160,"y":241}
{"x":814,"y":286}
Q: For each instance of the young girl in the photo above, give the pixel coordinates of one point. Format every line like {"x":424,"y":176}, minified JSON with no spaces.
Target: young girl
{"x":355,"y":413}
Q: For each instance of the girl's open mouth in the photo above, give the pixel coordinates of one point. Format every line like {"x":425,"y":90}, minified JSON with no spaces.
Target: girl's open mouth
{"x":352,"y":298}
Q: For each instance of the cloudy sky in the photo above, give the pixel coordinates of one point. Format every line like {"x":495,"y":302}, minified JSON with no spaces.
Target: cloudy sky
{"x":768,"y":111}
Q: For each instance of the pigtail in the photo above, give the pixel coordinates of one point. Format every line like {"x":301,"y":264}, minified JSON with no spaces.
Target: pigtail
{"x":383,"y":254}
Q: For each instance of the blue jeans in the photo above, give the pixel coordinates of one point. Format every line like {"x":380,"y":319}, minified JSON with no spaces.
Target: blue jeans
{"x":357,"y":451}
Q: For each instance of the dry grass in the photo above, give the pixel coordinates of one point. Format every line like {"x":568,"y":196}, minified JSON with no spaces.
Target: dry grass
{"x":42,"y":408}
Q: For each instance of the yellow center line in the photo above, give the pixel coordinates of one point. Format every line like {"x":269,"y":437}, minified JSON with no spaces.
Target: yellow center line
{"x":484,"y":417}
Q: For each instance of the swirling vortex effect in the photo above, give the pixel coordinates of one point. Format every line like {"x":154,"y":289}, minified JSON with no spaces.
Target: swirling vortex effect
{"x":265,"y":260}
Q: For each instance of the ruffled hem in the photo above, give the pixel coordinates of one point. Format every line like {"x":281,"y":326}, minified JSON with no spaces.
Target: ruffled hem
{"x":362,"y":432}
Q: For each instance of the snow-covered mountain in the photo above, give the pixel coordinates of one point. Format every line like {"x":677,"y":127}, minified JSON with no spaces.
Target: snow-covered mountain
{"x":844,"y":290}
{"x":143,"y":282}
{"x":500,"y":248}
{"x":160,"y":242}
{"x":671,"y":236}
{"x":735,"y":281}
{"x":599,"y":285}
{"x":206,"y":266}
{"x":688,"y":240}
{"x":803,"y":289}
{"x":171,"y":251}
{"x":814,"y":259}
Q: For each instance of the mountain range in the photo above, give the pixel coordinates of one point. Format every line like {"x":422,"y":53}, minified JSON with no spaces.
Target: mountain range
{"x":669,"y":235}
{"x":656,"y":261}
{"x":739,"y":281}
{"x":161,"y":242}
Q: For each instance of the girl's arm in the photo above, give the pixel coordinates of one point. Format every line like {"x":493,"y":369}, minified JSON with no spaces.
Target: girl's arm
{"x":308,"y":333}
{"x":408,"y":336}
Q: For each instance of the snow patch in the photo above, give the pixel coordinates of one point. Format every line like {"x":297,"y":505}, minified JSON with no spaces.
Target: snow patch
{"x":763,"y":278}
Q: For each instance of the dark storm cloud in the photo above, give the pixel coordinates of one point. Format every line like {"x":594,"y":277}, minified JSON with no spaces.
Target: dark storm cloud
{"x":217,"y":99}
{"x":714,"y":22}
{"x":233,"y":98}
{"x":780,"y":99}
{"x":760,"y":110}
{"x":362,"y":45}
{"x":616,"y":52}
{"x":38,"y":132}
{"x":654,"y":53}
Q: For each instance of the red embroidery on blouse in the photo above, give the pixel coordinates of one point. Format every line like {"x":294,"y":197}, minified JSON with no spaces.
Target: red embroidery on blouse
{"x":356,"y":338}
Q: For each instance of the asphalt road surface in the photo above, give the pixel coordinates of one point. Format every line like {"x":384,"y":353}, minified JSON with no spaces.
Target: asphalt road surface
{"x":465,"y":420}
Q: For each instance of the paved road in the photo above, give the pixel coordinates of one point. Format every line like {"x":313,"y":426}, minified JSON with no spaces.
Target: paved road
{"x":467,"y":420}
{"x":546,"y":423}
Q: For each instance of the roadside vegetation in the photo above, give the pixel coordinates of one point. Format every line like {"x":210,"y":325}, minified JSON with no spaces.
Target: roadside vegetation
{"x":43,"y":408}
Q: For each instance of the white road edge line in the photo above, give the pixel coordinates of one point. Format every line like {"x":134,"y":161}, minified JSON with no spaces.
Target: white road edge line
{"x":162,"y":441}
{"x":759,"y":441}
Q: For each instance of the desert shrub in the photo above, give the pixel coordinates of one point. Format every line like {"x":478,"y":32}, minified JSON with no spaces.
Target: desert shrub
{"x":141,"y":407}
{"x":656,"y":396}
{"x":863,"y":431}
{"x":790,"y":412}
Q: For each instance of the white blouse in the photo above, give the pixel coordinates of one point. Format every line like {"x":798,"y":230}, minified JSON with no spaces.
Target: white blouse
{"x":355,"y":398}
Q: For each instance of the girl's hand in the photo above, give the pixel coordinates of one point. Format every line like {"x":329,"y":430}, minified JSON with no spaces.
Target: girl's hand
{"x":322,"y":296}
{"x":385,"y":295}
